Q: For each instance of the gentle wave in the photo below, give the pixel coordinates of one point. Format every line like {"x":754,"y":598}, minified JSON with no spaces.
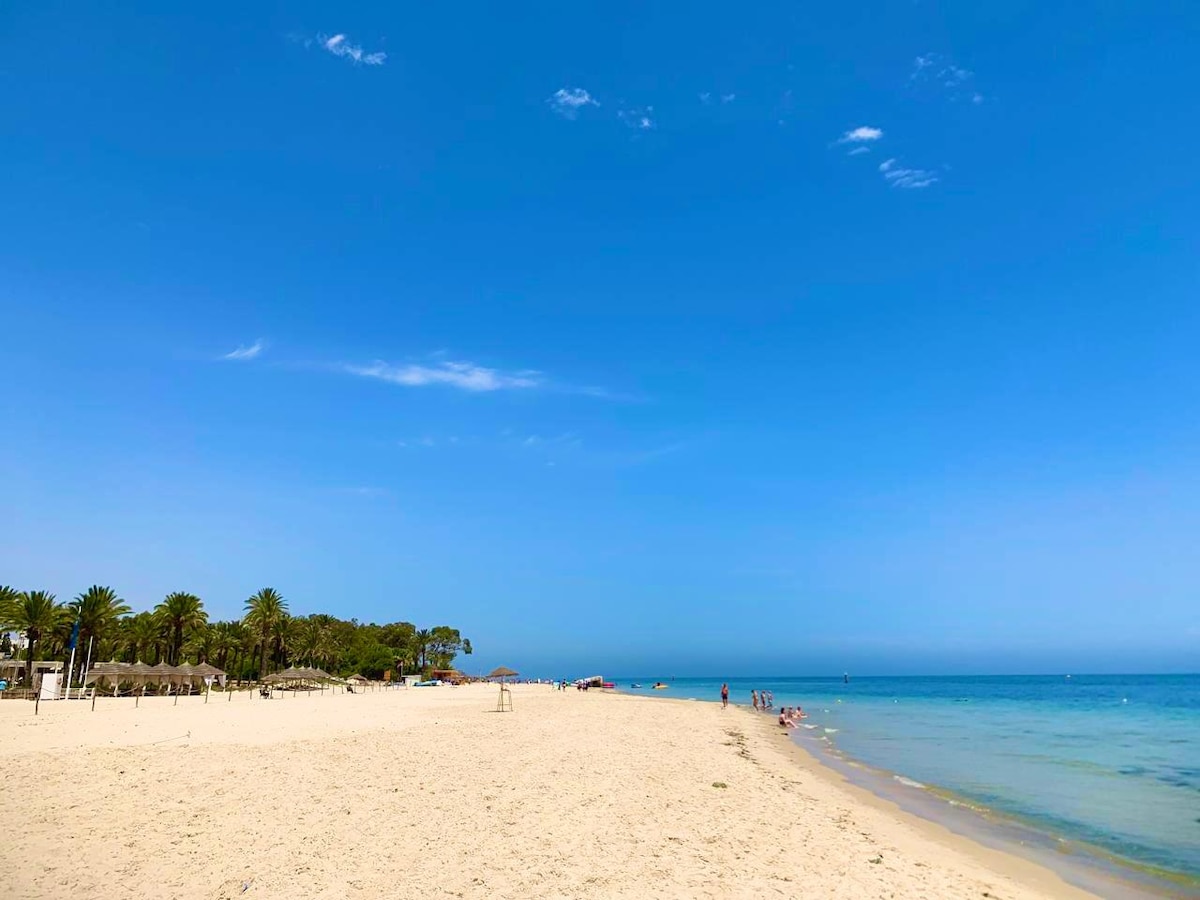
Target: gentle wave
{"x":908,"y":782}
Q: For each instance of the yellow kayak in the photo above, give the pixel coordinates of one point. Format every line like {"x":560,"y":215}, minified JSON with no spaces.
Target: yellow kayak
{"x":660,"y":686}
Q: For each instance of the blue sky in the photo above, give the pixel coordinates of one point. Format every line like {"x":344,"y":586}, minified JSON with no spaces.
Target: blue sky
{"x":791,"y":338}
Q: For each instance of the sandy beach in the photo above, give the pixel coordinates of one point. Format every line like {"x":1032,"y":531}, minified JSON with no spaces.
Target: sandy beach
{"x":430,"y":793}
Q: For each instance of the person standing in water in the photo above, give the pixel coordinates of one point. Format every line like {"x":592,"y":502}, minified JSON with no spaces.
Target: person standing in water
{"x":754,"y":700}
{"x":724,"y":696}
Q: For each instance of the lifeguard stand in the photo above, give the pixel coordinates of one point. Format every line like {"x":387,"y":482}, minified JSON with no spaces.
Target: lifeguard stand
{"x":504,"y":700}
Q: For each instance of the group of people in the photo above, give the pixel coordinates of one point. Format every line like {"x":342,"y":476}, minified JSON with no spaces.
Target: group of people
{"x":789,"y":717}
{"x":763,"y":701}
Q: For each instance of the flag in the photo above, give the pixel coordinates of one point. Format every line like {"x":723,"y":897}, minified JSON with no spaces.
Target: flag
{"x":74,"y":636}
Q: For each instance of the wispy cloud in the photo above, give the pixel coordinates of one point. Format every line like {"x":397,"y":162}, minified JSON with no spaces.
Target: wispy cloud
{"x":858,"y":151}
{"x":247,"y":352}
{"x":567,"y":102}
{"x":340,"y":45}
{"x":728,"y":98}
{"x":861,"y":134}
{"x":898,"y":176}
{"x":465,"y":376}
{"x":640,"y":118}
{"x":936,"y":71}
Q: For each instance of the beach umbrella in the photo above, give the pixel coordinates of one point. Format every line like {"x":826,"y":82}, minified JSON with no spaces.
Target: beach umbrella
{"x":208,"y":674}
{"x":140,"y":673}
{"x":503,"y":672}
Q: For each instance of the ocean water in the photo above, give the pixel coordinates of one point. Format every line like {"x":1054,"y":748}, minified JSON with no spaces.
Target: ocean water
{"x":1111,"y":761}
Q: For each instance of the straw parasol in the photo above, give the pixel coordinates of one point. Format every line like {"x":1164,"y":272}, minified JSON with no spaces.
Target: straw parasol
{"x":502,"y":672}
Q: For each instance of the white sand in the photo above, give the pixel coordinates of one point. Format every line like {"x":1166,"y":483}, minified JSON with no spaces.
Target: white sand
{"x":428,"y":793}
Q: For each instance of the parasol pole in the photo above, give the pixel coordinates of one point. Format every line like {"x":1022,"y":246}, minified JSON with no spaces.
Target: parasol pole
{"x":88,"y":662}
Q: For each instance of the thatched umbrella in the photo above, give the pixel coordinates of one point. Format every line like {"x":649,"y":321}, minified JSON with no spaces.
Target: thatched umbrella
{"x":106,"y":673}
{"x":502,"y":673}
{"x":208,"y":674}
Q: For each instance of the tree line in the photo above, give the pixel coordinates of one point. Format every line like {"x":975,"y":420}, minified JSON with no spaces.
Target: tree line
{"x":266,"y":639}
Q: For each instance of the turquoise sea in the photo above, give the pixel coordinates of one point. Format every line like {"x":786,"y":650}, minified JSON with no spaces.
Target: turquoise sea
{"x":1108,"y":762}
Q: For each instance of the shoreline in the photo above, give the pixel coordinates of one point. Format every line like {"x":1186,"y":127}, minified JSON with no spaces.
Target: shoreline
{"x":1004,"y":861}
{"x":1077,"y":862}
{"x":591,"y":795}
{"x":952,"y":817}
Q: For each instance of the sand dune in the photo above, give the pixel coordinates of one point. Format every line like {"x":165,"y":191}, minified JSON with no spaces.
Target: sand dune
{"x":428,"y":793}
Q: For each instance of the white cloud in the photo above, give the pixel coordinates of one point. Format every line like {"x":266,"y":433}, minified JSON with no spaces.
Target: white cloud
{"x":338,"y":45}
{"x":858,"y":151}
{"x":244,"y":352}
{"x":861,"y":134}
{"x":568,"y":101}
{"x":640,"y":118}
{"x":728,"y":98}
{"x":462,"y":375}
{"x":906,"y":178}
{"x":939,"y":73}
{"x":706,"y":97}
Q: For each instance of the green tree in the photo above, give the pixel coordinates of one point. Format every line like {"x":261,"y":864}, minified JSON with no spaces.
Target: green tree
{"x":263,"y":611}
{"x":179,"y":613}
{"x":374,"y":660}
{"x":98,"y":611}
{"x":445,"y":643}
{"x":421,"y":641}
{"x":199,"y":644}
{"x":34,"y":614}
{"x":222,"y":643}
{"x":143,"y":637}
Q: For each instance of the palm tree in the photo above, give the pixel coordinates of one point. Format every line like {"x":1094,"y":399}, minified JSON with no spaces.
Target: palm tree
{"x":246,"y":642}
{"x":143,"y":636}
{"x":8,"y":599}
{"x":263,"y":611}
{"x":283,"y":638}
{"x":199,"y":643}
{"x":179,"y":613}
{"x":421,"y":641}
{"x":97,"y":610}
{"x":33,"y":613}
{"x":221,"y":642}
